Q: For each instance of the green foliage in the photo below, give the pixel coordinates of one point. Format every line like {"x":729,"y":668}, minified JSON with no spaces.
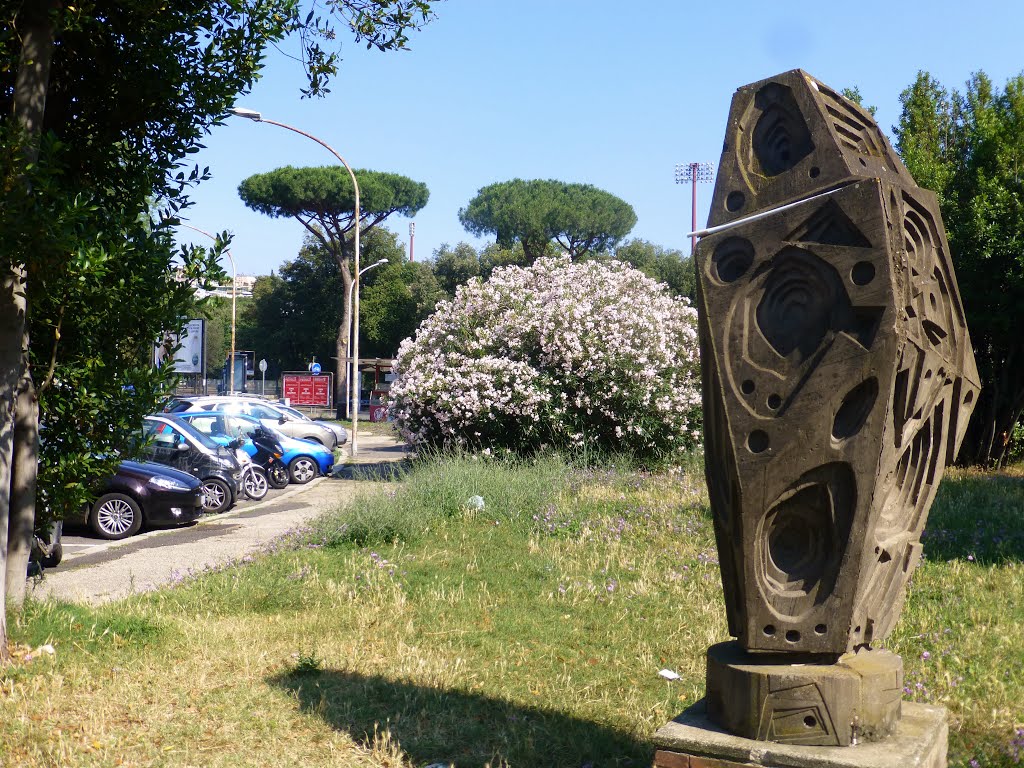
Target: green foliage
{"x":666,"y":265}
{"x":967,"y":147}
{"x":580,"y":218}
{"x":324,"y":195}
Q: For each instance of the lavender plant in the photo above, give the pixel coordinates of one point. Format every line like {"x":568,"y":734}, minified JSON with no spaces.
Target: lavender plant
{"x":562,"y":355}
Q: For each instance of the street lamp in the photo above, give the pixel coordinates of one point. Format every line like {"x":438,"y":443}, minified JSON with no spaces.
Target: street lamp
{"x":692,"y":173}
{"x":234,"y":296}
{"x":354,"y":352}
{"x":355,"y":378}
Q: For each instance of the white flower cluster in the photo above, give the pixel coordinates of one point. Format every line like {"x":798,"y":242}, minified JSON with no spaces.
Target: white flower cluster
{"x":557,"y":354}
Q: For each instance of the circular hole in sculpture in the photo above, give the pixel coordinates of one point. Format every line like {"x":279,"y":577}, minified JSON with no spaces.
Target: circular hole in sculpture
{"x":747,"y":387}
{"x":814,"y":172}
{"x":863,"y":162}
{"x":863,"y":272}
{"x":732,"y":258}
{"x":792,"y":636}
{"x":928,"y":373}
{"x":856,"y":630}
{"x":734,"y":201}
{"x":769,"y":630}
{"x":810,"y":722}
{"x":774,"y":401}
{"x":820,"y":629}
{"x":757,"y":441}
{"x":968,"y":398}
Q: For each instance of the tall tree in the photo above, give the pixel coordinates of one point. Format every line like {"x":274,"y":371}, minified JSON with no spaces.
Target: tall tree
{"x":580,"y":218}
{"x":323,"y":201}
{"x":969,"y":148}
{"x":99,"y":103}
{"x":396,"y":298}
{"x":666,"y":265}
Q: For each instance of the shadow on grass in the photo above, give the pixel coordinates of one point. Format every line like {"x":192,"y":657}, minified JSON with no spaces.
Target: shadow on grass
{"x":433,"y":725}
{"x":378,"y":471}
{"x":977,"y":516}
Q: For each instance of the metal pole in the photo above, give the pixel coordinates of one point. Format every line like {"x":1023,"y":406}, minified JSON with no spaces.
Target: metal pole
{"x":691,"y":173}
{"x":693,"y":185}
{"x":234,"y":297}
{"x":354,"y":352}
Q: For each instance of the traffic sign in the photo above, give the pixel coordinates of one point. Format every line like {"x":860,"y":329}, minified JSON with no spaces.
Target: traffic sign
{"x":315,"y":369}
{"x":263,"y":365}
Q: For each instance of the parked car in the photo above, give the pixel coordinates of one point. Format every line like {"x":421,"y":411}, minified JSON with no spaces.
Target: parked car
{"x":304,"y":459}
{"x":269,"y":413}
{"x":176,"y":443}
{"x":138,"y":494}
{"x":339,"y":431}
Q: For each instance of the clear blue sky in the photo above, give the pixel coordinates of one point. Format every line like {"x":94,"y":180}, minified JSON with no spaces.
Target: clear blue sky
{"x":613,"y":94}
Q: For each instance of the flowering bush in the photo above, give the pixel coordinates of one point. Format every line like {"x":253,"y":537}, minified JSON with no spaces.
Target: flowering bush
{"x":558,"y":354}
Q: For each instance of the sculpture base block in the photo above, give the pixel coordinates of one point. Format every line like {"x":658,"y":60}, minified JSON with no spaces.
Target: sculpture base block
{"x":692,"y":740}
{"x":782,"y":698}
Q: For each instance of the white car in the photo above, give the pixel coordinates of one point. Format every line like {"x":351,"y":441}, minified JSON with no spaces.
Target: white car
{"x":339,"y":431}
{"x":270,"y":414}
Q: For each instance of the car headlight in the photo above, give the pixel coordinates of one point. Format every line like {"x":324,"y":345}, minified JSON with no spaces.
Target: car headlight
{"x":168,"y":483}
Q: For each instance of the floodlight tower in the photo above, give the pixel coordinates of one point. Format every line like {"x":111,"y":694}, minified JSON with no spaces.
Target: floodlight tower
{"x":692,"y":173}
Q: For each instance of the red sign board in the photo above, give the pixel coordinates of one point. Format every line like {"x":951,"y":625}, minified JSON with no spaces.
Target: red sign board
{"x":307,"y":389}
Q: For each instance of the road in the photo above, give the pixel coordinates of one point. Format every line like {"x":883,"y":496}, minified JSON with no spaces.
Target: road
{"x":95,"y":571}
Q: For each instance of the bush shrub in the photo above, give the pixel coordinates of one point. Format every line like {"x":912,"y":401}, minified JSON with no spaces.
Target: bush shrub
{"x":563,"y":355}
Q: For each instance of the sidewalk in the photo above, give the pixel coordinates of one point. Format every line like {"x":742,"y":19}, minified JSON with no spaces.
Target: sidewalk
{"x":154,"y":559}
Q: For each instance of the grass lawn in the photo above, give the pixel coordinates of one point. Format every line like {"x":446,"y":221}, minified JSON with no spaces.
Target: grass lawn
{"x":409,"y":629}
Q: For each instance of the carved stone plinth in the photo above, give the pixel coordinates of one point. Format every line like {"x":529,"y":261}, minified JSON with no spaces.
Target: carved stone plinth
{"x":779,"y":697}
{"x":692,"y":740}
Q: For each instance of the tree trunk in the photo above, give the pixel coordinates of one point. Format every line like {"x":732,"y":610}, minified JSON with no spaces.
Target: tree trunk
{"x":19,"y":430}
{"x":343,"y":397}
{"x":25,"y":463}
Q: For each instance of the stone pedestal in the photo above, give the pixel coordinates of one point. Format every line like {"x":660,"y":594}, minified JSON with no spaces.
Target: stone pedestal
{"x":805,"y":700}
{"x":692,"y":740}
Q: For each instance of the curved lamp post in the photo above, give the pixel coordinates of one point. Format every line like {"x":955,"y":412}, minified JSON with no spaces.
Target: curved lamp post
{"x":354,"y":352}
{"x":234,"y":296}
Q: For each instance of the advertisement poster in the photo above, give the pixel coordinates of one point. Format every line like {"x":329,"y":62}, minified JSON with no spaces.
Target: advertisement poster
{"x":308,"y":389}
{"x":189,"y":358}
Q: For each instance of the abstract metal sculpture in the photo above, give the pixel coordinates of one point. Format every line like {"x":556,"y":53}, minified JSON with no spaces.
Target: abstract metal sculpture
{"x":838,"y":382}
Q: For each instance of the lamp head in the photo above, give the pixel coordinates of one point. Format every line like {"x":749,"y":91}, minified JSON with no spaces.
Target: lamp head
{"x":251,"y":114}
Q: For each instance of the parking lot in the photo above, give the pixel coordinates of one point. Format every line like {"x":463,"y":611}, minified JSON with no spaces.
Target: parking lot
{"x":95,"y":571}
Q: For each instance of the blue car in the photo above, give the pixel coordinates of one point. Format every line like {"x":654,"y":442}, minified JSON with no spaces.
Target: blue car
{"x":305,"y":459}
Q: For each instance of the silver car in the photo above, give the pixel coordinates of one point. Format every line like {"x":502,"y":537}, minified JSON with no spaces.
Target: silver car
{"x":271,"y":414}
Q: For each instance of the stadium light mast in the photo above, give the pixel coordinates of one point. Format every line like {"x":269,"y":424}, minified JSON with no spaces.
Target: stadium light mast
{"x":691,"y":173}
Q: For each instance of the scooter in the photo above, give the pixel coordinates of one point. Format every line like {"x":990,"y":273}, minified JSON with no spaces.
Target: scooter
{"x":268,"y":456}
{"x":254,"y":483}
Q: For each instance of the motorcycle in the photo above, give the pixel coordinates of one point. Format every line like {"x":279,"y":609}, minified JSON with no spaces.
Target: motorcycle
{"x":268,"y":456}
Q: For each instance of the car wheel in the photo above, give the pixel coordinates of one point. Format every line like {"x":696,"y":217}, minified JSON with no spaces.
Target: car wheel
{"x":302,"y":469}
{"x":255,"y":483}
{"x":216,"y":495}
{"x":115,"y":516}
{"x":53,"y":559}
{"x":277,"y":475}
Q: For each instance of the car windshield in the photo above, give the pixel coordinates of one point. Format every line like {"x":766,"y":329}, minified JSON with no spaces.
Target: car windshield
{"x":184,"y":427}
{"x":175,"y":405}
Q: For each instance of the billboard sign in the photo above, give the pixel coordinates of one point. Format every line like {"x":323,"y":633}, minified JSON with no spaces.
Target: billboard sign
{"x":307,"y":389}
{"x":189,"y":357}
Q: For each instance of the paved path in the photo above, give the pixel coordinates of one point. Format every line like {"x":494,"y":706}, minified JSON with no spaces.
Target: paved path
{"x":110,"y":571}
